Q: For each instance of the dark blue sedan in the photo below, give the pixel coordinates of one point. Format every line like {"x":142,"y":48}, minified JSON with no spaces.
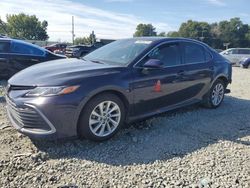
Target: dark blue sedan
{"x":16,"y":55}
{"x":245,"y":63}
{"x":124,"y":81}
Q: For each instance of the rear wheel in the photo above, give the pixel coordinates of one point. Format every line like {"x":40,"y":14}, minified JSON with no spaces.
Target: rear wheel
{"x":102,"y":117}
{"x":244,"y":66}
{"x":216,"y":95}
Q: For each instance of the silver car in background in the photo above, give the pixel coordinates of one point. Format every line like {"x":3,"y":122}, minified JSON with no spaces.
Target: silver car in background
{"x":235,"y":55}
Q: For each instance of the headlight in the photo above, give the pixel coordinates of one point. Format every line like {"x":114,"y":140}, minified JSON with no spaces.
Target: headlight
{"x":51,"y":91}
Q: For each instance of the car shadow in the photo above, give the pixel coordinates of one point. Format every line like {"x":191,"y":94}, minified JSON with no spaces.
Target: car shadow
{"x":172,"y":134}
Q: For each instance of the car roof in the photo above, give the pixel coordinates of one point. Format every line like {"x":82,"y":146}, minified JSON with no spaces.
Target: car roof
{"x":169,"y":39}
{"x":3,"y":39}
{"x":238,"y":49}
{"x":22,"y":42}
{"x":164,"y":38}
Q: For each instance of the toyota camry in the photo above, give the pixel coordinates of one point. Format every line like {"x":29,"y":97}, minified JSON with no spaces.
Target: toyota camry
{"x":124,"y":81}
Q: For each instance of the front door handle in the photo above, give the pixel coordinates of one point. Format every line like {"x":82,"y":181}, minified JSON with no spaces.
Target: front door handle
{"x":34,"y":60}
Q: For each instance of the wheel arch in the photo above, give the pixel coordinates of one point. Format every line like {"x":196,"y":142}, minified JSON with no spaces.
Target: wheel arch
{"x":222,"y":77}
{"x":116,"y":91}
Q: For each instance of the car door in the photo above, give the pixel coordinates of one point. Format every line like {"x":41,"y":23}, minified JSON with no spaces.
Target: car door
{"x":156,"y":88}
{"x":235,"y":56}
{"x":23,"y":55}
{"x":4,"y":58}
{"x":199,"y":69}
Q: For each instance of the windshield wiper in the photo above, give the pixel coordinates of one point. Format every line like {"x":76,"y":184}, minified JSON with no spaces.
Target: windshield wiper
{"x":96,"y":61}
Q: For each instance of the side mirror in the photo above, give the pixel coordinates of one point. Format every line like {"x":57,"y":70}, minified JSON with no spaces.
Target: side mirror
{"x":226,"y":53}
{"x":154,"y":64}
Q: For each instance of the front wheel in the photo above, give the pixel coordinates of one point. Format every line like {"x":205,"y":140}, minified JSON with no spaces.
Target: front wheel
{"x":102,"y":117}
{"x":216,"y":95}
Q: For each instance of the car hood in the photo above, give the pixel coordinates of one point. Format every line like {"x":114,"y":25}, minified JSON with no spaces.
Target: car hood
{"x":59,"y":72}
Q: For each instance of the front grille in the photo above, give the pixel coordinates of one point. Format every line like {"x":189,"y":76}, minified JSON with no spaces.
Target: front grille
{"x":69,"y":53}
{"x":26,"y":117}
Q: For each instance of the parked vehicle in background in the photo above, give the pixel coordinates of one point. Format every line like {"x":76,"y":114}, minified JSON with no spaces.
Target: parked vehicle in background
{"x":235,"y":55}
{"x":56,"y":47}
{"x":124,"y":81}
{"x":219,"y":50}
{"x":16,"y":55}
{"x":245,"y":63}
{"x":77,"y":51}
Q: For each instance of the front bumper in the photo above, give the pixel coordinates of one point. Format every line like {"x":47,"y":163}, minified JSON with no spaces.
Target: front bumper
{"x":29,"y":120}
{"x":49,"y":118}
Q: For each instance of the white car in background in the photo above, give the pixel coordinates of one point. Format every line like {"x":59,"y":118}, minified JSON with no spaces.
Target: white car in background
{"x":235,"y":55}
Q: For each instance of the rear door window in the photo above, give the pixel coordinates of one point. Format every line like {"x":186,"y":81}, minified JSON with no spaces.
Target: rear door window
{"x":4,"y":47}
{"x":194,"y":53}
{"x":25,"y":49}
{"x":244,"y":51}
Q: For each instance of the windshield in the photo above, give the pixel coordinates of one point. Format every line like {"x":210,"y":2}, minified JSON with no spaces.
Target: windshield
{"x":120,"y":52}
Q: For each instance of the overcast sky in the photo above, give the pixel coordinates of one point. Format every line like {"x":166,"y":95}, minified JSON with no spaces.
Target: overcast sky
{"x":118,"y":18}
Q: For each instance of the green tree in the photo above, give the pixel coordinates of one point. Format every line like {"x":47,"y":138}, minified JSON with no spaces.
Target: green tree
{"x":216,"y":34}
{"x":26,"y":27}
{"x":3,"y":27}
{"x":162,"y":34}
{"x":233,"y":32}
{"x":248,"y":36}
{"x":196,"y":30}
{"x":145,"y":30}
{"x":91,"y":39}
{"x":173,"y":34}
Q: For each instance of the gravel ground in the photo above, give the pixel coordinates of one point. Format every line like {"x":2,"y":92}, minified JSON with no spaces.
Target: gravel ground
{"x":191,"y":147}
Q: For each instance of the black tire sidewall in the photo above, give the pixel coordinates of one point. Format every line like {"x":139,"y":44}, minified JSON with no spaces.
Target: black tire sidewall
{"x":83,"y":124}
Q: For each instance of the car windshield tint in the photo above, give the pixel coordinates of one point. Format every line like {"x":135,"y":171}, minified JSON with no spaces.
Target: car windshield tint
{"x":120,"y":52}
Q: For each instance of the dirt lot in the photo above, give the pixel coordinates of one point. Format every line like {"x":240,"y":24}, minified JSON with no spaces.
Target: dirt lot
{"x":191,"y":147}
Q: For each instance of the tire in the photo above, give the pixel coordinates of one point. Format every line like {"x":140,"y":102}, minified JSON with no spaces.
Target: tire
{"x":218,"y":89}
{"x":99,"y":125}
{"x":244,"y":66}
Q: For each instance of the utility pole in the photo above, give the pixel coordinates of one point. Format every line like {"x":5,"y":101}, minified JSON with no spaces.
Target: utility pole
{"x":226,"y":45}
{"x":73,"y":30}
{"x":92,"y":37}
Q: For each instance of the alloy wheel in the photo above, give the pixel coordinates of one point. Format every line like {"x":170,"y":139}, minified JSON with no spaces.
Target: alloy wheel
{"x":217,"y":94}
{"x":105,"y":118}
